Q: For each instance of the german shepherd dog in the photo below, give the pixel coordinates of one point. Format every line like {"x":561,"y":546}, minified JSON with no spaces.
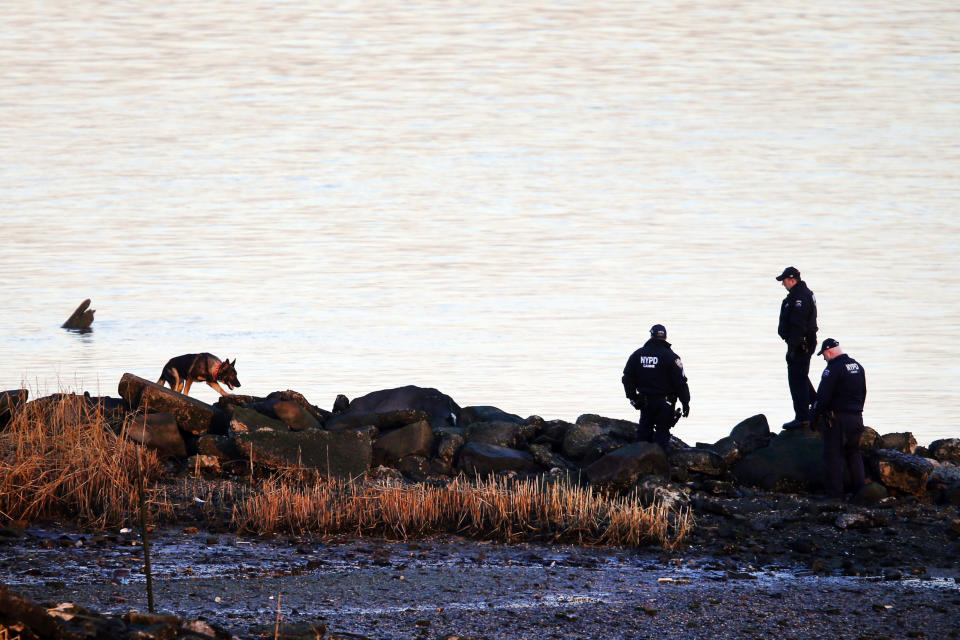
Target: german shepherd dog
{"x":183,"y":371}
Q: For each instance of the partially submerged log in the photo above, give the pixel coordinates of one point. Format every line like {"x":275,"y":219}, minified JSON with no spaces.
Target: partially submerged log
{"x":81,"y":319}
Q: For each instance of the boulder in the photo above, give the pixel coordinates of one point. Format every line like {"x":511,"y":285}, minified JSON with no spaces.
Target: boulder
{"x":320,"y":415}
{"x":223,"y":448}
{"x":448,"y":443}
{"x":620,"y":469}
{"x":871,"y":493}
{"x":289,"y":412}
{"x":658,"y":490}
{"x":944,"y":484}
{"x":727,"y":448}
{"x":469,"y":415}
{"x":383,"y":420}
{"x":10,"y":402}
{"x":29,"y":618}
{"x":902,"y":442}
{"x":513,"y":435}
{"x":482,"y":459}
{"x":412,"y":440}
{"x":345,"y":454}
{"x":158,"y":431}
{"x":246,"y":420}
{"x":624,"y":430}
{"x":900,"y":471}
{"x":192,"y":415}
{"x":546,"y":458}
{"x":751,"y":434}
{"x":553,"y":432}
{"x":946,"y":450}
{"x":870,"y":439}
{"x":702,"y":461}
{"x":416,"y":468}
{"x":441,"y":408}
{"x":792,"y":462}
{"x":587,"y":442}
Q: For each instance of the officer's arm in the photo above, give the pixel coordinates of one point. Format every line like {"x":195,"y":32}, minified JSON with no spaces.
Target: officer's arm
{"x":828,"y":383}
{"x":680,"y":384}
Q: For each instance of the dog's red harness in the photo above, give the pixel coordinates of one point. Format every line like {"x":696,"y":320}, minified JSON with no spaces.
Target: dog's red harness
{"x":216,"y":373}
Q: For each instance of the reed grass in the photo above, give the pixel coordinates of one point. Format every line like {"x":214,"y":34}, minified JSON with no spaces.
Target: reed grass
{"x":61,"y":458}
{"x":492,"y":508}
{"x":64,"y":459}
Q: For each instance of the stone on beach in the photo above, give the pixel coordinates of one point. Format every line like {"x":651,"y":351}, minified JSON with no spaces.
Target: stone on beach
{"x":945,"y":450}
{"x":10,"y":402}
{"x":903,"y":472}
{"x":411,"y":440}
{"x":344,"y":454}
{"x":620,"y":469}
{"x":193,"y":416}
{"x":158,"y":431}
{"x":482,"y":459}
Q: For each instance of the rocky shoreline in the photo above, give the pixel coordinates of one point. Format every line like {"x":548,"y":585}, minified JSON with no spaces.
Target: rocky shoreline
{"x":768,"y":555}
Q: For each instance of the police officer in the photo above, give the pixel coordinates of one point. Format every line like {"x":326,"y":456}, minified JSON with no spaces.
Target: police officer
{"x":653,"y":381}
{"x":798,"y":328}
{"x":839,"y":401}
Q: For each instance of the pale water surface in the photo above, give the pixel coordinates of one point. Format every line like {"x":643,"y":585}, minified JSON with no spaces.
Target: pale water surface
{"x":493,"y":199}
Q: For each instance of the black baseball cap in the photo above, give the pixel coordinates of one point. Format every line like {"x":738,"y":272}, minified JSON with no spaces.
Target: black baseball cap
{"x":829,"y":343}
{"x":789,"y":272}
{"x":658,"y":331}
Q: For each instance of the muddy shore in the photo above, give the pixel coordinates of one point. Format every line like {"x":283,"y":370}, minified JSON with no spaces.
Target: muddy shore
{"x":758,"y":565}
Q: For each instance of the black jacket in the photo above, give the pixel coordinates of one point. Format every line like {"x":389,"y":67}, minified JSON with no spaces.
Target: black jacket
{"x":654,"y":369}
{"x":843,"y":386}
{"x":798,"y":317}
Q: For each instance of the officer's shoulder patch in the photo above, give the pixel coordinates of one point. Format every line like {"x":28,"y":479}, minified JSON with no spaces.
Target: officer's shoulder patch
{"x":813,"y":297}
{"x":679,"y":364}
{"x":826,"y":373}
{"x":798,"y":303}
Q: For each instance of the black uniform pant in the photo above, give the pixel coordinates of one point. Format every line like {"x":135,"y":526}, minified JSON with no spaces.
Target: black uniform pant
{"x":801,"y":389}
{"x":841,"y":444}
{"x":656,"y":418}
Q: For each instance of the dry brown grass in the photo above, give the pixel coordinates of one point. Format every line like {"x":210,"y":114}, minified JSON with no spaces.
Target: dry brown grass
{"x":494,"y":508}
{"x":60,"y":459}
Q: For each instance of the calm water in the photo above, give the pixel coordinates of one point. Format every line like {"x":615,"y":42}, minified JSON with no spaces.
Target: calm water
{"x":496,"y":201}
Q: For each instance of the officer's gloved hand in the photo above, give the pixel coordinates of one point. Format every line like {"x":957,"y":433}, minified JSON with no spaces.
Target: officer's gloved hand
{"x":686,"y":409}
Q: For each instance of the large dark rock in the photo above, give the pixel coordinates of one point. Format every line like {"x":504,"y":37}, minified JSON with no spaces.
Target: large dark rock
{"x":483,"y":459}
{"x":10,"y":402}
{"x":18,"y":612}
{"x":944,"y":484}
{"x":158,"y":431}
{"x":245,"y":420}
{"x":902,"y":442}
{"x":412,"y":440}
{"x":946,"y":450}
{"x":193,"y":416}
{"x":414,"y":467}
{"x":469,"y":415}
{"x":290,"y":412}
{"x":620,"y":469}
{"x":441,"y":408}
{"x":448,"y":442}
{"x":383,"y":420}
{"x":702,"y":461}
{"x":623,"y":430}
{"x":544,"y":456}
{"x":792,"y":462}
{"x":655,"y":489}
{"x":223,"y":448}
{"x":320,"y":415}
{"x":345,"y":454}
{"x":870,"y":439}
{"x":553,"y":432}
{"x":900,"y":471}
{"x":513,"y":435}
{"x":590,"y":439}
{"x":727,"y":448}
{"x":751,"y":434}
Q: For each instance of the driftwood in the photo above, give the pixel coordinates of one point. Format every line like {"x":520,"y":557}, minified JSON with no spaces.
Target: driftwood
{"x":82,"y":318}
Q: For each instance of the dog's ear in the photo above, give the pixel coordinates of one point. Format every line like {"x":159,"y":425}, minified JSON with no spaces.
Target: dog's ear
{"x":234,"y":363}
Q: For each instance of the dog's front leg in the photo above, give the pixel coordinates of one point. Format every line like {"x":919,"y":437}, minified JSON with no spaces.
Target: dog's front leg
{"x":216,"y":387}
